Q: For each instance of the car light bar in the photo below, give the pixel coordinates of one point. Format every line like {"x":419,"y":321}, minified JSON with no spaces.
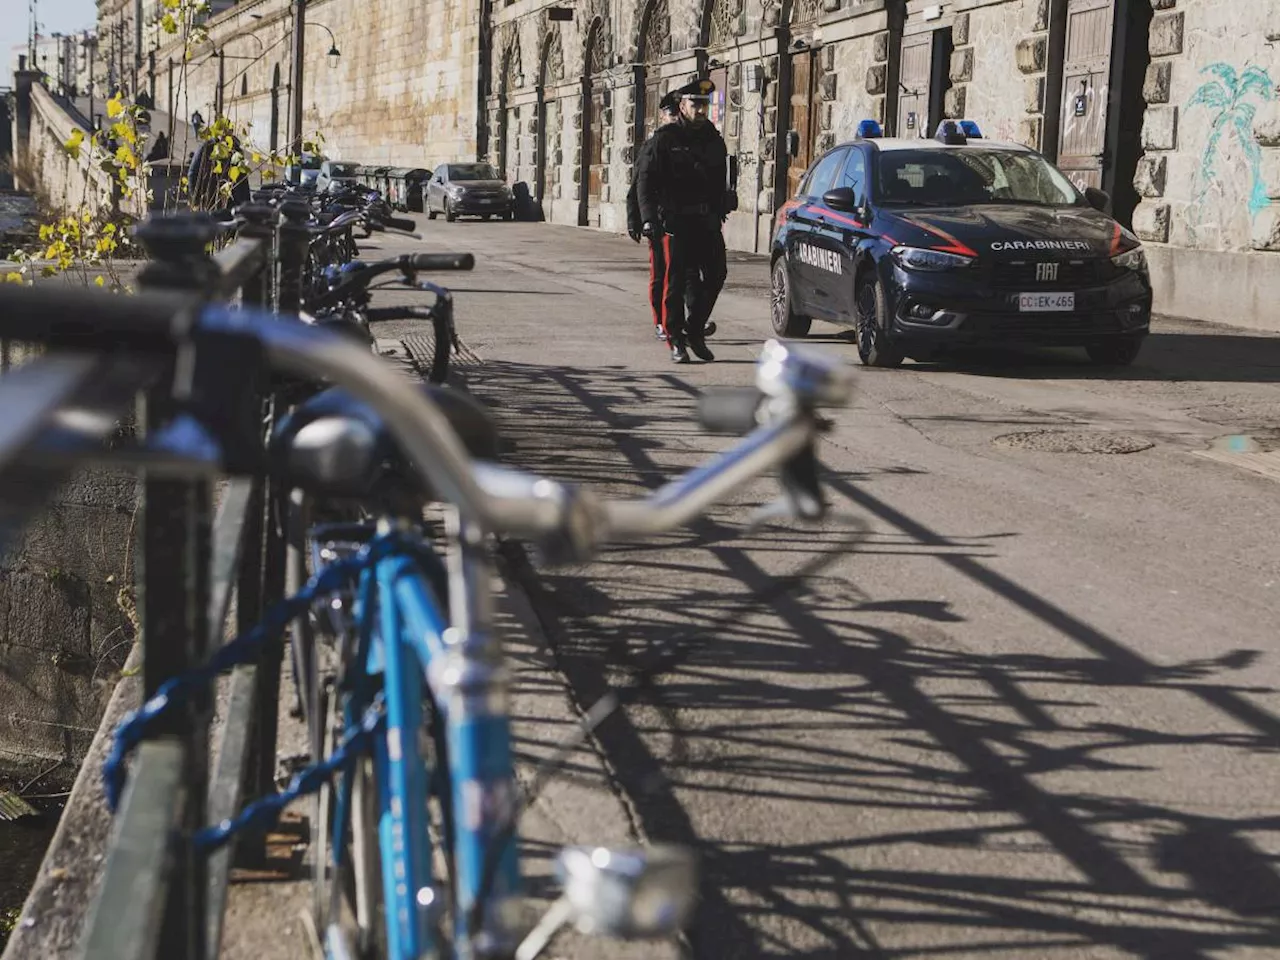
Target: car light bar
{"x":869,"y":130}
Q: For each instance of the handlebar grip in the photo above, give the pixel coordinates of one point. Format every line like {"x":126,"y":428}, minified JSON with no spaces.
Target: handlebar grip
{"x":380,"y":314}
{"x":729,"y":409}
{"x":442,"y":261}
{"x":400,"y":223}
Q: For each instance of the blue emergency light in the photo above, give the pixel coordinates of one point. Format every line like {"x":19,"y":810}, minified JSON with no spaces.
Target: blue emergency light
{"x":970,"y":129}
{"x":869,"y":130}
{"x":950,"y":133}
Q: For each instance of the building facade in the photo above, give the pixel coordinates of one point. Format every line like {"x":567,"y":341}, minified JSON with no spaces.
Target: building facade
{"x":1171,"y":106}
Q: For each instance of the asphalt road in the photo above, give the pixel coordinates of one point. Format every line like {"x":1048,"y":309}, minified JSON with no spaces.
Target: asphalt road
{"x":1008,"y":700}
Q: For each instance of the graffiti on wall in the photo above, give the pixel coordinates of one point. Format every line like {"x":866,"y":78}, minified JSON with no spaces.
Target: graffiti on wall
{"x":1231,"y":99}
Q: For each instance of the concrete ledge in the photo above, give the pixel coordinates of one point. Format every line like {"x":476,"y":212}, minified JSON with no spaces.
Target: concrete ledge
{"x":1237,"y":288}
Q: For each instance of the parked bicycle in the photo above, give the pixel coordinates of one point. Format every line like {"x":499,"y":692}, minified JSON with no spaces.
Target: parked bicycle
{"x":415,"y":731}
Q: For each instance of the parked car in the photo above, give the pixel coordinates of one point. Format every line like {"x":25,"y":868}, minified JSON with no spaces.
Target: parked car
{"x":920,"y":245}
{"x":306,"y":172}
{"x":468,"y":189}
{"x":337,"y":175}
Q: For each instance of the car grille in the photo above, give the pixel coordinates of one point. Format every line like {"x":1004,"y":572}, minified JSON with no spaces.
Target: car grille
{"x":1021,"y":274}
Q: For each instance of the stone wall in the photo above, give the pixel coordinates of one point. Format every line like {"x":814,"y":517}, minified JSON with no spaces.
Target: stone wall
{"x":407,"y":90}
{"x":64,"y":182}
{"x":403,"y":91}
{"x":66,"y":620}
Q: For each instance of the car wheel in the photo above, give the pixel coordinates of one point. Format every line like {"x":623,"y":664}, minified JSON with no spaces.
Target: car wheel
{"x":509,"y":216}
{"x":874,"y":347}
{"x":1115,"y":353}
{"x":484,"y":217}
{"x":449,"y":215}
{"x":786,"y":322}
{"x":431,"y":213}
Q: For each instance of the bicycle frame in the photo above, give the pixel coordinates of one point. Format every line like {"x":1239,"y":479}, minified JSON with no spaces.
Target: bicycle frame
{"x":404,"y":636}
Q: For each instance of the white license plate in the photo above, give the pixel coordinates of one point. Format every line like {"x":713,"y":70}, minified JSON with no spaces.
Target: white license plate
{"x":1046,"y":302}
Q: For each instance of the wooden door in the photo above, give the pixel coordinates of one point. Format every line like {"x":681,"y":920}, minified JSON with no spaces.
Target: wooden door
{"x":652,"y":96}
{"x":803,"y":116}
{"x":720,"y":98}
{"x":914,"y":96}
{"x":1086,"y":76}
{"x":594,"y":141}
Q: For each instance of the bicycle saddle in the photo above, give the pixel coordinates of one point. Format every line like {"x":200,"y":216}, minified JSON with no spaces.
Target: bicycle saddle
{"x":334,"y":445}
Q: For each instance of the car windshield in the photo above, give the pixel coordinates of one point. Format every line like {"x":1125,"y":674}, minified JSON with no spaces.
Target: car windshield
{"x":311,"y":163}
{"x":342,"y":169}
{"x":971,"y":175}
{"x":472,"y":171}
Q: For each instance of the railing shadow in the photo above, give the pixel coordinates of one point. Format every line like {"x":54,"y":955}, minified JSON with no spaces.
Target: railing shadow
{"x":904,"y":788}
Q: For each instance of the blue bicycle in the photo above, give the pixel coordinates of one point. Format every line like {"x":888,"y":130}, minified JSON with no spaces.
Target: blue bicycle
{"x":405,"y":683}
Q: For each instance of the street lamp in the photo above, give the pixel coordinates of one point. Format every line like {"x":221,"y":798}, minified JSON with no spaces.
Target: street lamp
{"x":333,"y":53}
{"x":296,"y":71}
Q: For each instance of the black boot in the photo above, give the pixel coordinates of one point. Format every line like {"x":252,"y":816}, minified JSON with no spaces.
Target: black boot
{"x":711,"y":328}
{"x":678,"y":352}
{"x":699,"y":348}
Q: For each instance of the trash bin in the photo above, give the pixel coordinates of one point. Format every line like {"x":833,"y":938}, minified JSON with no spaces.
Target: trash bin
{"x":396,"y":186}
{"x":378,"y":179}
{"x":415,"y":185}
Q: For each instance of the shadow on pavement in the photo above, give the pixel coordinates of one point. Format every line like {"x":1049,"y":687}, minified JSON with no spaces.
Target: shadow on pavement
{"x":1166,"y":355}
{"x":857,"y":782}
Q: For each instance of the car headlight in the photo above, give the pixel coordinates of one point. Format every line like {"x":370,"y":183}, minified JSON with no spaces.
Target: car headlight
{"x":919,"y":258}
{"x":455,"y":191}
{"x":1135,"y":259}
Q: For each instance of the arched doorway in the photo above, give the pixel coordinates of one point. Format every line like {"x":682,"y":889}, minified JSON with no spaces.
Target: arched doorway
{"x":504,"y":114}
{"x":655,"y":43}
{"x":799,"y":132}
{"x":1094,"y":102}
{"x":550,"y":71}
{"x":594,"y":97}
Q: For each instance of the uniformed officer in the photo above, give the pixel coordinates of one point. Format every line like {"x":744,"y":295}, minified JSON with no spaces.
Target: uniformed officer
{"x":681,"y":189}
{"x":667,"y":111}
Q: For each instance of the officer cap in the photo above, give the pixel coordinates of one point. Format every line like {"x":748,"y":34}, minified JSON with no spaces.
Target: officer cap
{"x":670,"y":102}
{"x":697,"y":90}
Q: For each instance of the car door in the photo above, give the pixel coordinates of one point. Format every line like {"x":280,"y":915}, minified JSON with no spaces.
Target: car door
{"x":837,"y":234}
{"x":811,"y":257}
{"x":435,"y":189}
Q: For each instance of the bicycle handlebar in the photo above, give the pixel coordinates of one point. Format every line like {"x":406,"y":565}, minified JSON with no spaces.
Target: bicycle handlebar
{"x":360,"y":278}
{"x":566,"y":520}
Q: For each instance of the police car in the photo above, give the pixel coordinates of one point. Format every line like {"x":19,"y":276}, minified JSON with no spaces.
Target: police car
{"x":922,"y":244}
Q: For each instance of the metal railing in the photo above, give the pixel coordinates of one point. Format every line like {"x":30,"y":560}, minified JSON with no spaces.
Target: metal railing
{"x":160,"y":896}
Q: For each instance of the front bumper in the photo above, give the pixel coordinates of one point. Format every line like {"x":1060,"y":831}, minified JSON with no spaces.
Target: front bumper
{"x":965,"y":311}
{"x":466,"y":205}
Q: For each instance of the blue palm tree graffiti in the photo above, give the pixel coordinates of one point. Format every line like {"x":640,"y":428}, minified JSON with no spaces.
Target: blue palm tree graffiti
{"x":1228,"y":96}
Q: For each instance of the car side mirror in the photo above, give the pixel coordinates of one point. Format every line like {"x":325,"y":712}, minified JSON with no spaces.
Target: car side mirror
{"x":793,"y":143}
{"x":1098,"y":199}
{"x":842,"y":199}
